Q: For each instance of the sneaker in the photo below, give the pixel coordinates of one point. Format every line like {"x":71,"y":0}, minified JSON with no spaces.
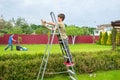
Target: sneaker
{"x":65,"y":63}
{"x":69,"y":64}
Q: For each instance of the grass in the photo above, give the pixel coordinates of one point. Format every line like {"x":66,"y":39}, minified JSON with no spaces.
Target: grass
{"x":103,"y":75}
{"x":56,"y":48}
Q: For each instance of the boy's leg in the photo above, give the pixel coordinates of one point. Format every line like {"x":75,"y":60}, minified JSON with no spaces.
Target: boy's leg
{"x":68,"y":54}
{"x":11,"y":47}
{"x":7,"y":47}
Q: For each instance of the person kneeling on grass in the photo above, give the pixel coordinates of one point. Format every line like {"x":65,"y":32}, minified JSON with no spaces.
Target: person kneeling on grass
{"x":60,"y":19}
{"x":10,"y":42}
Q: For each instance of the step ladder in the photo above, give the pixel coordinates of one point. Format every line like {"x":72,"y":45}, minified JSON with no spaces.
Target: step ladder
{"x":70,"y":68}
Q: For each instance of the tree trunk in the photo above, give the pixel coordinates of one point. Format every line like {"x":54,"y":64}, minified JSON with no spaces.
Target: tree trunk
{"x":73,"y":39}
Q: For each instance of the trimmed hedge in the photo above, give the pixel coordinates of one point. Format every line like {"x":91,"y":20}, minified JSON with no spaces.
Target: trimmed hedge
{"x":26,"y":66}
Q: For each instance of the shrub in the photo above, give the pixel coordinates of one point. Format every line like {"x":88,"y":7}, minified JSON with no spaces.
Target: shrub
{"x":26,"y":66}
{"x":99,"y":41}
{"x":109,"y":41}
{"x":105,"y":38}
{"x":118,"y":38}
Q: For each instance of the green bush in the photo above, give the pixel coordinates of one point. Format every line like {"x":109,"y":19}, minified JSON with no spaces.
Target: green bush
{"x":99,"y":41}
{"x":109,"y":41}
{"x":41,"y":30}
{"x":26,"y":66}
{"x":118,"y":38}
{"x":105,"y":38}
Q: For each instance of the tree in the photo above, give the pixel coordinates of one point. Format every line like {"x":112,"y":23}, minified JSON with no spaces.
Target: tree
{"x":118,"y":38}
{"x":100,"y":37}
{"x":85,"y":30}
{"x":73,"y":31}
{"x":34,"y":26}
{"x":41,"y":30}
{"x":19,"y":22}
{"x":109,"y":40}
{"x":105,"y":38}
{"x":15,"y":30}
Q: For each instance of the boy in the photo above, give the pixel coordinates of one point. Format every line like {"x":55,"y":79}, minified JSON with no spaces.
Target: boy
{"x":10,"y":42}
{"x":61,"y":25}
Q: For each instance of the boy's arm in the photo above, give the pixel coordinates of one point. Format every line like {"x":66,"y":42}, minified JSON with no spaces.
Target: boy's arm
{"x":51,"y":23}
{"x":14,"y":40}
{"x":48,"y":28}
{"x":45,"y":25}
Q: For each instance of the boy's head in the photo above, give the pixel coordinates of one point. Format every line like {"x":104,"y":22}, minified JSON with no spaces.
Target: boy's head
{"x":61,"y":17}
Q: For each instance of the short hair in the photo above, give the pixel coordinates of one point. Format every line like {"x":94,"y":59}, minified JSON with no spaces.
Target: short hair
{"x":62,"y":16}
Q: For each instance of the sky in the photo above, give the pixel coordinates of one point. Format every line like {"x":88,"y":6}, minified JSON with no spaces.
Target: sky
{"x":78,"y":12}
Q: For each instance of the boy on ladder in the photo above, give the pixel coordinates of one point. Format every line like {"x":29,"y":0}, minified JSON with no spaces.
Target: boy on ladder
{"x":63,"y":36}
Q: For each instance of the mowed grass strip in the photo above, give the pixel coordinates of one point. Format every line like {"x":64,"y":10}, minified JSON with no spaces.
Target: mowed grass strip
{"x":102,"y":75}
{"x":40,"y":48}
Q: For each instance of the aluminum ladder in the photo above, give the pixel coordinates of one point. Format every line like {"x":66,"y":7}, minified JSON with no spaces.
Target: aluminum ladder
{"x":42,"y":69}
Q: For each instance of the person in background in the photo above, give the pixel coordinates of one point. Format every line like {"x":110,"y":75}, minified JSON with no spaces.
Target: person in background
{"x":10,"y":42}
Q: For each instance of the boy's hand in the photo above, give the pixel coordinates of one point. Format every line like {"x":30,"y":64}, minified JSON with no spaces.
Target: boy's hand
{"x":43,"y":22}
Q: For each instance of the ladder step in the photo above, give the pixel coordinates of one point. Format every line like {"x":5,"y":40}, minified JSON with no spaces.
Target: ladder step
{"x":60,"y":42}
{"x":72,"y":78}
{"x":64,"y":49}
{"x":69,"y":64}
{"x":44,"y":60}
{"x":70,"y":71}
{"x":66,"y":57}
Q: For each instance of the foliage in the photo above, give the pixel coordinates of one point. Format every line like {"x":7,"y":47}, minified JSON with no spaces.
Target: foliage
{"x":100,"y":36}
{"x":85,"y":30}
{"x":109,"y":41}
{"x":26,"y":66}
{"x":19,"y":23}
{"x":72,"y":30}
{"x":118,"y":38}
{"x":105,"y":38}
{"x":15,"y":30}
{"x":41,"y":30}
{"x":34,"y":26}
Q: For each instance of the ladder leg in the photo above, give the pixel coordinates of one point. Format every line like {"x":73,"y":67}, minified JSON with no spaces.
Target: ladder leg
{"x":40,"y":69}
{"x":49,"y":50}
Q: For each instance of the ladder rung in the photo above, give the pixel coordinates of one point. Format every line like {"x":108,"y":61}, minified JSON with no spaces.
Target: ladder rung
{"x":55,"y":33}
{"x":44,"y":60}
{"x":72,"y":78}
{"x":66,"y":57}
{"x":70,"y":71}
{"x":60,"y":42}
{"x":64,"y":49}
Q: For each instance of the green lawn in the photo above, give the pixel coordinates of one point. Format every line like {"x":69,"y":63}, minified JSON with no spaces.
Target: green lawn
{"x":107,"y":75}
{"x":56,"y":49}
